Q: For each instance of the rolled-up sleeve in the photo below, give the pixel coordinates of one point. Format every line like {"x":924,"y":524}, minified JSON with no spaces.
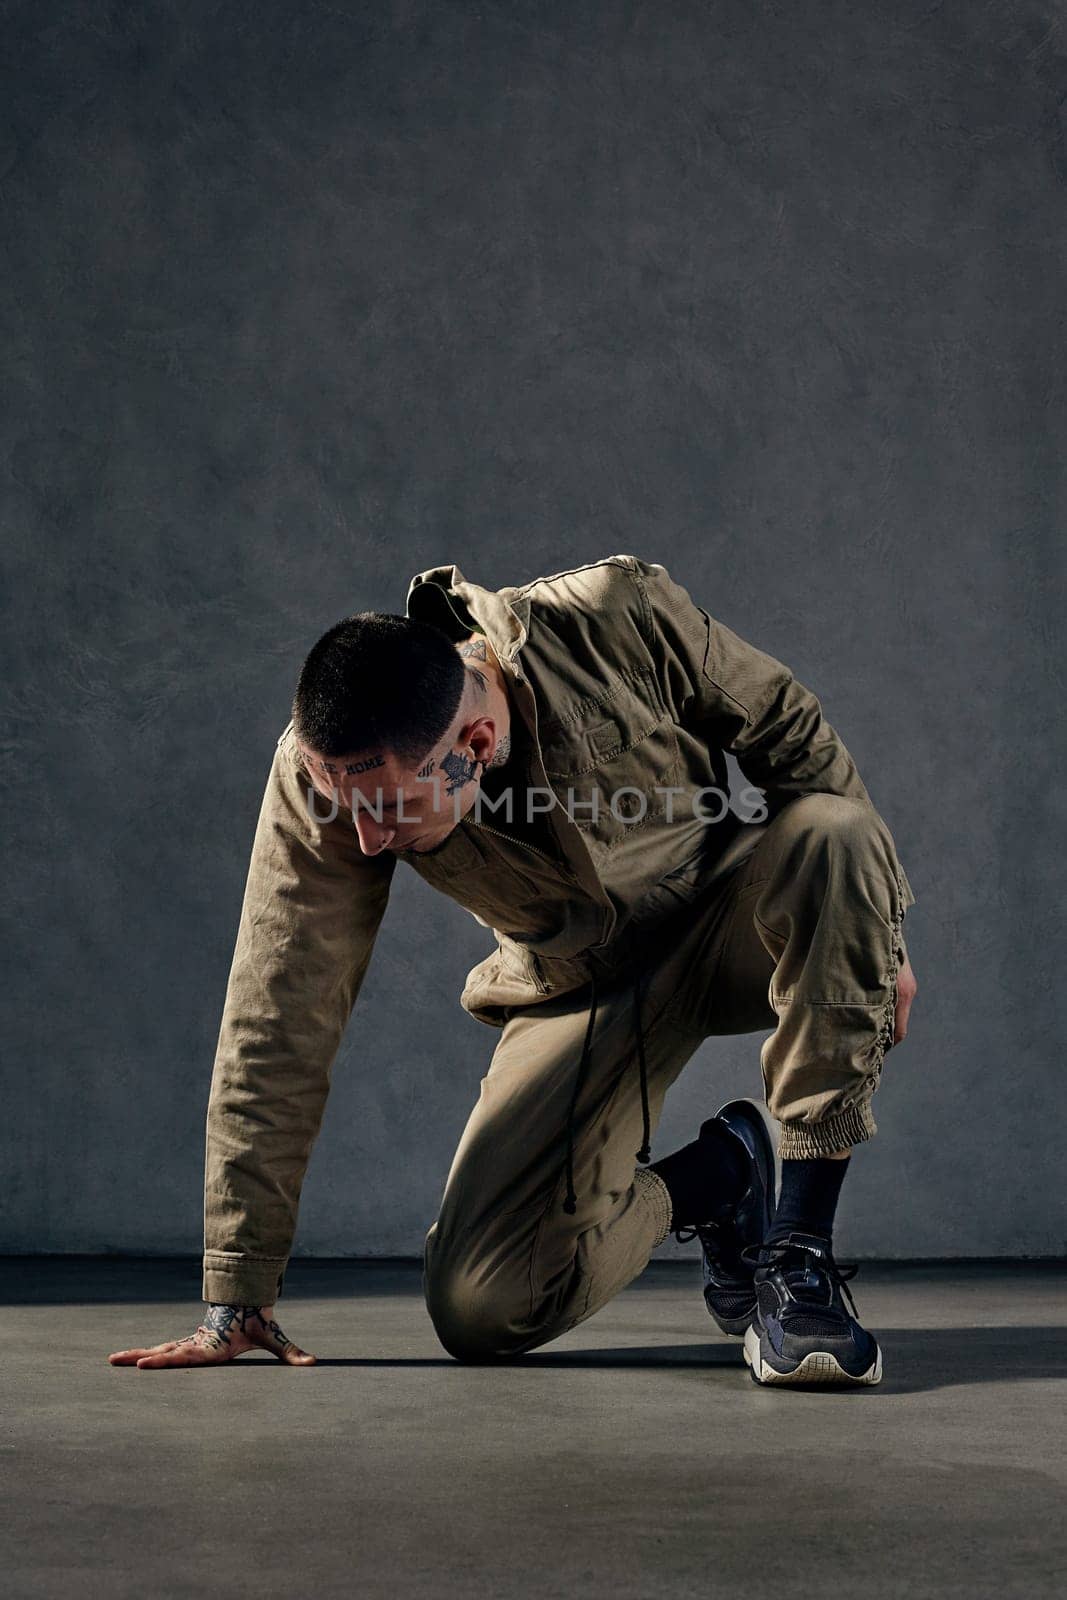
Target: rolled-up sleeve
{"x":313,"y":903}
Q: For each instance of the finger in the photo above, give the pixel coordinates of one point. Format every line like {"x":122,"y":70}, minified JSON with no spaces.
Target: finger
{"x":121,"y":1358}
{"x":293,"y":1356}
{"x":901,"y":1028}
{"x":183,"y":1355}
{"x":270,"y":1336}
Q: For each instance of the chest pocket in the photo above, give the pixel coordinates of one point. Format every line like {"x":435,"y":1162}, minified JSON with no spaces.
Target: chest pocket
{"x":624,"y":748}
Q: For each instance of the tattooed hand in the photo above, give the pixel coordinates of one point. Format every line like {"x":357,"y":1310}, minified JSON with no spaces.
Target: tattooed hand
{"x":226,"y":1332}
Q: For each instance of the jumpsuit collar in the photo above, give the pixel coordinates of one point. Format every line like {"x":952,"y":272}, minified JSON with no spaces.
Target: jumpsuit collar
{"x":502,"y":614}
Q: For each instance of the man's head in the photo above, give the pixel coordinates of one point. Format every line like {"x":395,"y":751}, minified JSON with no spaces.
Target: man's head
{"x":398,"y":722}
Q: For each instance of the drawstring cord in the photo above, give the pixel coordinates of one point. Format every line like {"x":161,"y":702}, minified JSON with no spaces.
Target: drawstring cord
{"x":570,"y":1203}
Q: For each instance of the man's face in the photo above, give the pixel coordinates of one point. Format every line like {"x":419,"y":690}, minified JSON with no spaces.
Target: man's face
{"x":394,"y":807}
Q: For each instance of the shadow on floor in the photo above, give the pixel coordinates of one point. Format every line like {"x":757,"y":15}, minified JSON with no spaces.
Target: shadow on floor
{"x":918,"y":1360}
{"x":952,"y":1354}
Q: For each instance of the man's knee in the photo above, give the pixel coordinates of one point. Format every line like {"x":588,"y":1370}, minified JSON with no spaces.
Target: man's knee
{"x":832,"y":847}
{"x":474,"y":1317}
{"x":840,"y":818}
{"x":825,"y":828}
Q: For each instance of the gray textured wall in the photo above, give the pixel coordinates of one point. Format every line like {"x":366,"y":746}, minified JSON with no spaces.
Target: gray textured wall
{"x":298,"y":299}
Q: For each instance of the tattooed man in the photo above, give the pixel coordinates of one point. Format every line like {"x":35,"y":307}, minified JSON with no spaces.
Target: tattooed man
{"x":552,"y":757}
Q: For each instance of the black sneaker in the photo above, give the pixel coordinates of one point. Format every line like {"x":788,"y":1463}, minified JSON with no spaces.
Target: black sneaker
{"x":801,"y":1332}
{"x":729,"y":1280}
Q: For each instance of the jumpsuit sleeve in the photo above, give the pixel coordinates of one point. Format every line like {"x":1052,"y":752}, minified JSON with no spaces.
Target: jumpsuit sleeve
{"x":745,"y":700}
{"x":313,"y":903}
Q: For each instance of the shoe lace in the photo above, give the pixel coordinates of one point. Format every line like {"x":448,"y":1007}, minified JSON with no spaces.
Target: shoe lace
{"x":709,"y":1233}
{"x":777,"y":1255}
{"x":683,"y":1235}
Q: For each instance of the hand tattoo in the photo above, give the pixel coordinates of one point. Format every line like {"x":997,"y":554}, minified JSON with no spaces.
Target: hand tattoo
{"x":221,"y":1319}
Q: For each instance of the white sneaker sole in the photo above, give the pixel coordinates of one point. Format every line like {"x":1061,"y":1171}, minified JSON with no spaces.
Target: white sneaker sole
{"x":820,"y":1366}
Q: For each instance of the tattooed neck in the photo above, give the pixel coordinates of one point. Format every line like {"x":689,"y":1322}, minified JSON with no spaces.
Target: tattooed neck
{"x":471,"y":652}
{"x":502,"y":752}
{"x":484,"y":671}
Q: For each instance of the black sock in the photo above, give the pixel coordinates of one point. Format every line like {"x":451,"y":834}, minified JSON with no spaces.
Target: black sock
{"x":807,"y":1200}
{"x":705,"y":1176}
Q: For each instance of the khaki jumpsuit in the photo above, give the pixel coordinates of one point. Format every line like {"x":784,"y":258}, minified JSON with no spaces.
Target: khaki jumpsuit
{"x":640,"y":929}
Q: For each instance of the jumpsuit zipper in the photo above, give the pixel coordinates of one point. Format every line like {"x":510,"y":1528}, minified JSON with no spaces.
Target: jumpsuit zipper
{"x":511,"y":838}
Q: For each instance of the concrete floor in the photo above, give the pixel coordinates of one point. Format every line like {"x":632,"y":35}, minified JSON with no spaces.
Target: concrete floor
{"x":632,"y":1458}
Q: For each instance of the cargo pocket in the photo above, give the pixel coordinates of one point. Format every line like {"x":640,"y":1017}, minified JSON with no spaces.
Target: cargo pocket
{"x":522,"y":964}
{"x":497,"y":986}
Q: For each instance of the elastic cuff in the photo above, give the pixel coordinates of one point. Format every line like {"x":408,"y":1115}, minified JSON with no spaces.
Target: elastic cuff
{"x":801,"y":1141}
{"x":235,"y":1280}
{"x":651,"y":1187}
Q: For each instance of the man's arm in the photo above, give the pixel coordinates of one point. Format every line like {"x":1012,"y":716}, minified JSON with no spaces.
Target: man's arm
{"x":313,"y":904}
{"x":748,"y":702}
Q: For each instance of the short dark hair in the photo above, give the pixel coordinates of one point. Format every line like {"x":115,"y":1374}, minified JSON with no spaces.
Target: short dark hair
{"x":378,"y":680}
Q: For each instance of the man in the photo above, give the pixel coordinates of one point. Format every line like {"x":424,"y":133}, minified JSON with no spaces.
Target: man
{"x":543,"y":755}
